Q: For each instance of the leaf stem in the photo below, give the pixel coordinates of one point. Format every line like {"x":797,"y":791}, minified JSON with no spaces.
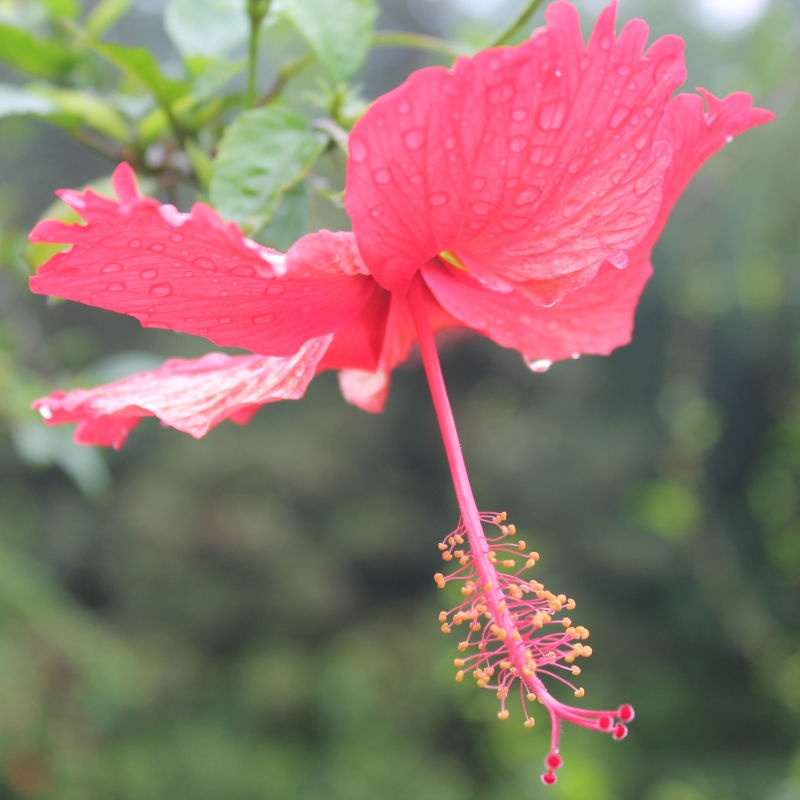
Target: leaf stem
{"x":515,"y":27}
{"x":337,"y":133}
{"x":419,"y":41}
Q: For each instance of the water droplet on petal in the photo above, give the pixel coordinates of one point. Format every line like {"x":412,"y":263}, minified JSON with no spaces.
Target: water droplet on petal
{"x":624,"y":70}
{"x":111,"y":268}
{"x":528,"y":195}
{"x":148,"y":274}
{"x":576,"y":165}
{"x":158,"y":247}
{"x":477,"y":184}
{"x":224,"y":320}
{"x":275,"y":289}
{"x":539,"y":365}
{"x":161,"y":290}
{"x":223,"y":293}
{"x":664,"y":67}
{"x":500,"y":94}
{"x":358,"y":150}
{"x":176,"y":237}
{"x":519,"y":114}
{"x":135,"y":243}
{"x":606,"y":42}
{"x":382,"y":176}
{"x":115,"y":287}
{"x":619,"y":116}
{"x":513,"y":224}
{"x":450,"y":143}
{"x":263,"y":319}
{"x":242,"y":271}
{"x":204,"y":263}
{"x":518,"y":143}
{"x":46,"y":412}
{"x":438,"y":198}
{"x":188,"y":274}
{"x":481,"y":208}
{"x":552,"y":115}
{"x":414,"y":139}
{"x":588,"y":133}
{"x":416,"y":179}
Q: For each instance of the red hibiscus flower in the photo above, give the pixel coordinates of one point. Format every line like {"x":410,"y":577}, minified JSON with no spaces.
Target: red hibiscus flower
{"x":518,"y":194}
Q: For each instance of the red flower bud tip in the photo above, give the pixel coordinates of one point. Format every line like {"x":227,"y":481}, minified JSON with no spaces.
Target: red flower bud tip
{"x":605,"y":723}
{"x":554,"y":761}
{"x":626,"y":713}
{"x":549,"y":778}
{"x":620,"y":732}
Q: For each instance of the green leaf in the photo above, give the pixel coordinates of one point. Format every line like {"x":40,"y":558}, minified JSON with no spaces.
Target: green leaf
{"x":70,"y":9}
{"x":34,"y":56}
{"x":104,"y":15}
{"x":15,"y":100}
{"x":206,"y":27}
{"x":290,"y":220}
{"x":92,"y":111}
{"x":339,"y":31}
{"x":263,"y":153}
{"x":139,"y":63}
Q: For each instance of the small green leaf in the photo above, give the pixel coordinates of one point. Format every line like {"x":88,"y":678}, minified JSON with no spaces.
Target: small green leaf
{"x":290,"y":220}
{"x":29,"y":54}
{"x":263,"y":153}
{"x":104,"y":15}
{"x":339,"y":31}
{"x":92,"y":111}
{"x":15,"y":100}
{"x":206,"y":27}
{"x":139,"y":63}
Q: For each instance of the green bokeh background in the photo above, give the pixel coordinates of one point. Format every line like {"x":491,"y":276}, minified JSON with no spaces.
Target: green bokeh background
{"x":252,"y":615}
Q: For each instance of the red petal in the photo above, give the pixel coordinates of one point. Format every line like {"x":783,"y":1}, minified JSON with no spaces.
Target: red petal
{"x":595,"y":319}
{"x":190,"y":395}
{"x":192,"y":273}
{"x":532,"y":164}
{"x":368,"y":389}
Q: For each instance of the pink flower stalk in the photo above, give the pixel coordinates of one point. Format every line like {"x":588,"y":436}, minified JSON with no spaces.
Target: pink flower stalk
{"x":518,"y":195}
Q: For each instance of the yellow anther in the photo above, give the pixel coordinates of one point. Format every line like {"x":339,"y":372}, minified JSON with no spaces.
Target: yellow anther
{"x":562,"y":598}
{"x":509,"y":562}
{"x":504,"y":530}
{"x":579,"y":692}
{"x":512,"y":529}
{"x":529,"y":723}
{"x":566,"y":622}
{"x":528,"y":671}
{"x":489,"y":586}
{"x":492,"y":558}
{"x":482,"y":683}
{"x":546,"y":617}
{"x":451,"y":540}
{"x":442,"y":616}
{"x":515,"y":635}
{"x":576,"y":670}
{"x":497,"y":520}
{"x":442,"y":546}
{"x":571,"y":604}
{"x":503,"y":516}
{"x":521,"y":544}
{"x":480,"y":608}
{"x":440,"y":584}
{"x":459,"y":539}
{"x":458,"y":553}
{"x":447,"y":556}
{"x":587,"y":651}
{"x":505,"y":664}
{"x":501,"y":606}
{"x":462,"y":646}
{"x":570,"y":658}
{"x":438,"y":577}
{"x":572,"y":632}
{"x":475,"y":626}
{"x":466,"y":590}
{"x":445,"y":628}
{"x":531,"y":696}
{"x":477,"y":674}
{"x":463,"y":560}
{"x":528,"y":655}
{"x":503,"y":714}
{"x":458,"y":662}
{"x":459,"y":676}
{"x":489,"y":671}
{"x":534,"y":555}
{"x":481,"y":646}
{"x":502,"y":694}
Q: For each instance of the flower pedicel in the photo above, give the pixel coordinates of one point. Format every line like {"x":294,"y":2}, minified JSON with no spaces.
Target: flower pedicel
{"x":518,"y":194}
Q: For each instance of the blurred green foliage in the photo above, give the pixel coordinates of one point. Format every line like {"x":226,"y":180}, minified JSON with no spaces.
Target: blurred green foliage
{"x":252,"y":615}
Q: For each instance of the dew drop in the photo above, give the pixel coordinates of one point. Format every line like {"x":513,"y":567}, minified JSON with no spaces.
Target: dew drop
{"x":204,"y":263}
{"x":512,"y":183}
{"x":641,"y":142}
{"x":263,"y":319}
{"x":664,"y":67}
{"x":176,"y":237}
{"x":438,"y":198}
{"x":552,"y":115}
{"x":513,"y":224}
{"x":576,"y":165}
{"x":519,"y":114}
{"x":242,"y":271}
{"x":539,"y":365}
{"x":224,"y":320}
{"x":111,"y":268}
{"x":619,"y":116}
{"x":157,"y":247}
{"x":588,"y":133}
{"x":404,"y":108}
{"x":450,"y":143}
{"x":477,"y":184}
{"x":223,"y":293}
{"x":518,"y":143}
{"x":500,"y":94}
{"x":483,"y":209}
{"x":527,"y":196}
{"x":382,"y":176}
{"x":584,"y":62}
{"x":416,"y":179}
{"x":649,"y":111}
{"x":606,"y":42}
{"x":148,"y":274}
{"x":115,"y":287}
{"x":624,"y":70}
{"x":135,"y":243}
{"x":634,"y":120}
{"x":275,"y":289}
{"x":188,"y":274}
{"x":358,"y":151}
{"x":161,"y":290}
{"x":414,"y":139}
